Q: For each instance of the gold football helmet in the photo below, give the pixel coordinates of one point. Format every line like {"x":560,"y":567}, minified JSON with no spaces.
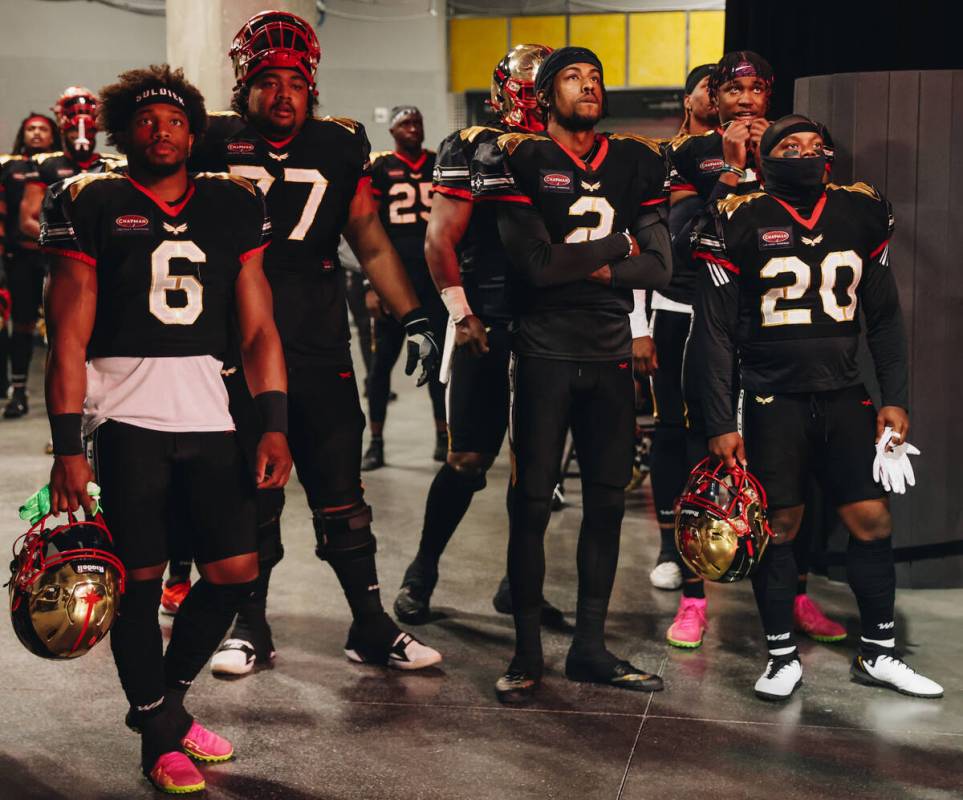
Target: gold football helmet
{"x":720,"y":523}
{"x":513,"y":87}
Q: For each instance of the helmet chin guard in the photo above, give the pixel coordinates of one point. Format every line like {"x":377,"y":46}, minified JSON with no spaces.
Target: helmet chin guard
{"x":721,"y":528}
{"x":76,"y":109}
{"x":513,"y":87}
{"x":278,"y":40}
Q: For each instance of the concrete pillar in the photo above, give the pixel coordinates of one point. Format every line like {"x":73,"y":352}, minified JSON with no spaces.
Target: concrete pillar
{"x":199,"y":35}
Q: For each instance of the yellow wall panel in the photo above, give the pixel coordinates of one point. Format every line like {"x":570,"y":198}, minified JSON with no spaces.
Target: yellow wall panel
{"x":707,"y":30}
{"x":475,"y":46}
{"x":605,"y":34}
{"x":549,"y":31}
{"x":657,"y":49}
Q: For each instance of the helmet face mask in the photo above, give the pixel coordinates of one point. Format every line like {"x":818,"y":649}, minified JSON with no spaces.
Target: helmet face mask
{"x":278,"y":40}
{"x":76,"y":109}
{"x":513,"y":87}
{"x":65,"y":588}
{"x":721,"y":529}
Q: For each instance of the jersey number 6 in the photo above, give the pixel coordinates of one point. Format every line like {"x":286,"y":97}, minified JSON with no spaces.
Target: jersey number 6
{"x":319,"y":185}
{"x":162,"y":282}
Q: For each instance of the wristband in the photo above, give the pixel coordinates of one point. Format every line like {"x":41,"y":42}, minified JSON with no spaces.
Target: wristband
{"x":737,"y":171}
{"x":628,"y":239}
{"x":457,"y":304}
{"x":273,"y":408}
{"x":65,"y":432}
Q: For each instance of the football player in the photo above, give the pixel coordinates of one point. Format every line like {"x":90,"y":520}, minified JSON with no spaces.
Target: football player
{"x":76,"y":113}
{"x":469,"y":265}
{"x":149,"y":273}
{"x":401,"y":181}
{"x":786,"y":272}
{"x":21,"y":260}
{"x":314,"y":173}
{"x":701,"y":114}
{"x":569,"y":199}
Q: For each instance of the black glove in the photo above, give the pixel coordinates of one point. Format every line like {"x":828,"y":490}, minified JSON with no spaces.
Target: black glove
{"x":421,"y":346}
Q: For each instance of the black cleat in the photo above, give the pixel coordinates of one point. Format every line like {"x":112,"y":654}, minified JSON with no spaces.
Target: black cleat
{"x":17,"y":405}
{"x":374,"y":457}
{"x":552,"y":618}
{"x":516,"y":687}
{"x":621,"y":674}
{"x":411,"y":608}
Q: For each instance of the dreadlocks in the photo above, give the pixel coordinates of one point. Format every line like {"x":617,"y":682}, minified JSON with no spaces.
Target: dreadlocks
{"x":20,"y":149}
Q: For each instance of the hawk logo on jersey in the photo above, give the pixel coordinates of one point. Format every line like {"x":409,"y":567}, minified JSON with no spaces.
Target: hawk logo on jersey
{"x":557,"y":181}
{"x":764,"y":401}
{"x":775,"y":238}
{"x":591,"y":187}
{"x":278,"y":156}
{"x":811,"y":242}
{"x":174,"y":229}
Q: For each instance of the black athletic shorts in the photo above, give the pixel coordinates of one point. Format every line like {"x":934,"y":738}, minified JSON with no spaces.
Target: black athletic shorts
{"x":476,"y":397}
{"x":595,"y":399}
{"x":670,"y":329}
{"x":827,"y":435}
{"x":151,"y":480}
{"x":25,"y":273}
{"x":325,"y":425}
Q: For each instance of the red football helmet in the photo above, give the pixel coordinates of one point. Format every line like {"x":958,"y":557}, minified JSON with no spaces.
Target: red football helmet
{"x":513,"y":87}
{"x":720,"y":523}
{"x":74,"y":105}
{"x":275,"y":39}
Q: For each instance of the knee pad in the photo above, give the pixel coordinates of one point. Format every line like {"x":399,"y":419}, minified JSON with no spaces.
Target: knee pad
{"x":270,"y":550}
{"x":602,"y":508}
{"x":344,"y":534}
{"x":224,"y":597}
{"x":471,"y":478}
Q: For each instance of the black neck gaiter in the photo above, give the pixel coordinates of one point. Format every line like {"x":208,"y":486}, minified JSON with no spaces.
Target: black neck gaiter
{"x":797,"y":181}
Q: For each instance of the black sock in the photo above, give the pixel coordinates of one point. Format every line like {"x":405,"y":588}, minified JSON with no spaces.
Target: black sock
{"x":526,"y":574}
{"x":668,"y":552}
{"x":21,"y":349}
{"x":774,"y":584}
{"x":251,"y":623}
{"x":4,"y":360}
{"x":448,"y":499}
{"x":135,"y":640}
{"x":199,"y":626}
{"x":692,"y":585}
{"x":359,"y":582}
{"x":802,"y":585}
{"x":872,"y":577}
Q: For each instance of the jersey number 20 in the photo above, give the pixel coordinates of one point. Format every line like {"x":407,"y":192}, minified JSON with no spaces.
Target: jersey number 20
{"x":830,"y":266}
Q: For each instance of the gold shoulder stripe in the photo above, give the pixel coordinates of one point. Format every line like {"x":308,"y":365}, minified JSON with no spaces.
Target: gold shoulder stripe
{"x":379,"y":154}
{"x":652,"y":144}
{"x":730,"y":204}
{"x":5,"y":158}
{"x":510,"y":141}
{"x":859,"y":188}
{"x":470,"y":134}
{"x":222,"y":114}
{"x":115,"y":163}
{"x":244,"y":183}
{"x":350,"y":125}
{"x":41,"y":157}
{"x":78,"y":183}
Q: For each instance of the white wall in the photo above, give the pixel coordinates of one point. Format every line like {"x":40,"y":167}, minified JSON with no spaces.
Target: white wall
{"x":46,"y":46}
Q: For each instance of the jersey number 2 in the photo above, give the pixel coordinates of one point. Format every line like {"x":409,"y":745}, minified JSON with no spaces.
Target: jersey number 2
{"x":830,"y":266}
{"x":162,"y":282}
{"x":591,"y":205}
{"x":319,"y":185}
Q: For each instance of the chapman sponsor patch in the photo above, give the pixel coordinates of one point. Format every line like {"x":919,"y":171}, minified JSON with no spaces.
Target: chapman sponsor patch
{"x":396,"y":173}
{"x":240,"y":148}
{"x":554,"y":180}
{"x":775,"y":238}
{"x":711,"y":164}
{"x":64,"y":172}
{"x":132,"y":223}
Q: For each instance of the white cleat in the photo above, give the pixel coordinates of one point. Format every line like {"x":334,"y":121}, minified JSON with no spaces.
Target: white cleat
{"x":235,"y":658}
{"x":782,"y":677}
{"x":666,"y":575}
{"x":893,"y":673}
{"x":408,"y":653}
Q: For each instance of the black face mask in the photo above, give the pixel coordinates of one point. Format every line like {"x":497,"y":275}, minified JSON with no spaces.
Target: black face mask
{"x":797,"y":181}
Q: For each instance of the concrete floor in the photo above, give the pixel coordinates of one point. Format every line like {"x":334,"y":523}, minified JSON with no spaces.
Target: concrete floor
{"x":317,"y":726}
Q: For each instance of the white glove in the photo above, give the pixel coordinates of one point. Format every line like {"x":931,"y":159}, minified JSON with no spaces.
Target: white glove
{"x":892,"y":466}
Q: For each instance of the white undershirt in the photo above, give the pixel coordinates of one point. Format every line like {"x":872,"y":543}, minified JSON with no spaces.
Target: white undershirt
{"x":180,"y":394}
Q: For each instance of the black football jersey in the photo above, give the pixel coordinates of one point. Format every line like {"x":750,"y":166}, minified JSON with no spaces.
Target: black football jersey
{"x":481,"y":257}
{"x":165,"y":273}
{"x":793,"y":286}
{"x":403,"y":189}
{"x":309,"y":182}
{"x":15,"y":173}
{"x":578,"y":201}
{"x":58,"y":165}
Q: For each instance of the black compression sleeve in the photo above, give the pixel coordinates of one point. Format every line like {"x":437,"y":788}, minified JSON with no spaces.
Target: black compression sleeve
{"x":885,"y":335}
{"x":652,"y":267}
{"x":713,"y":348}
{"x":543,"y":263}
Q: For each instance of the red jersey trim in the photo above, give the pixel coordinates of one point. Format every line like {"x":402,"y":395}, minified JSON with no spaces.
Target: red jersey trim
{"x":163,"y":205}
{"x":599,"y":156}
{"x":414,"y":166}
{"x":368,"y":203}
{"x":654,"y":201}
{"x":879,"y":249}
{"x":705,"y":255}
{"x":253,"y":252}
{"x":452,"y":191}
{"x":35,"y":182}
{"x":810,"y":223}
{"x":280,"y":144}
{"x":505,"y":198}
{"x":682,"y":187}
{"x":77,"y":255}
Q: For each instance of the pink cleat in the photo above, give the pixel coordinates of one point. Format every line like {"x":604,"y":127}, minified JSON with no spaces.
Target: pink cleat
{"x":810,"y":619}
{"x":204,"y":745}
{"x":175,"y":774}
{"x":689,"y":624}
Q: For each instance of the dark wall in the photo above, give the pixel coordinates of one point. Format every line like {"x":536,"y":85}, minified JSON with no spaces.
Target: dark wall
{"x":825,"y":38}
{"x":902,"y":131}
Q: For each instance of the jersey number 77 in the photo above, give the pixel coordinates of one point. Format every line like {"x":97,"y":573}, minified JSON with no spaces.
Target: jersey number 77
{"x":319,"y":185}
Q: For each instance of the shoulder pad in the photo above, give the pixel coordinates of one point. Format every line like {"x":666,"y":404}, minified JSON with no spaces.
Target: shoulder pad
{"x":859,"y":188}
{"x":41,"y":157}
{"x":244,"y":183}
{"x":115,"y":163}
{"x":76,"y":184}
{"x":223,"y":114}
{"x":677,"y":141}
{"x":470,"y":134}
{"x":729,"y":205}
{"x":510,"y":141}
{"x":5,"y":158}
{"x":380,"y":154}
{"x":652,"y":144}
{"x":350,"y":125}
